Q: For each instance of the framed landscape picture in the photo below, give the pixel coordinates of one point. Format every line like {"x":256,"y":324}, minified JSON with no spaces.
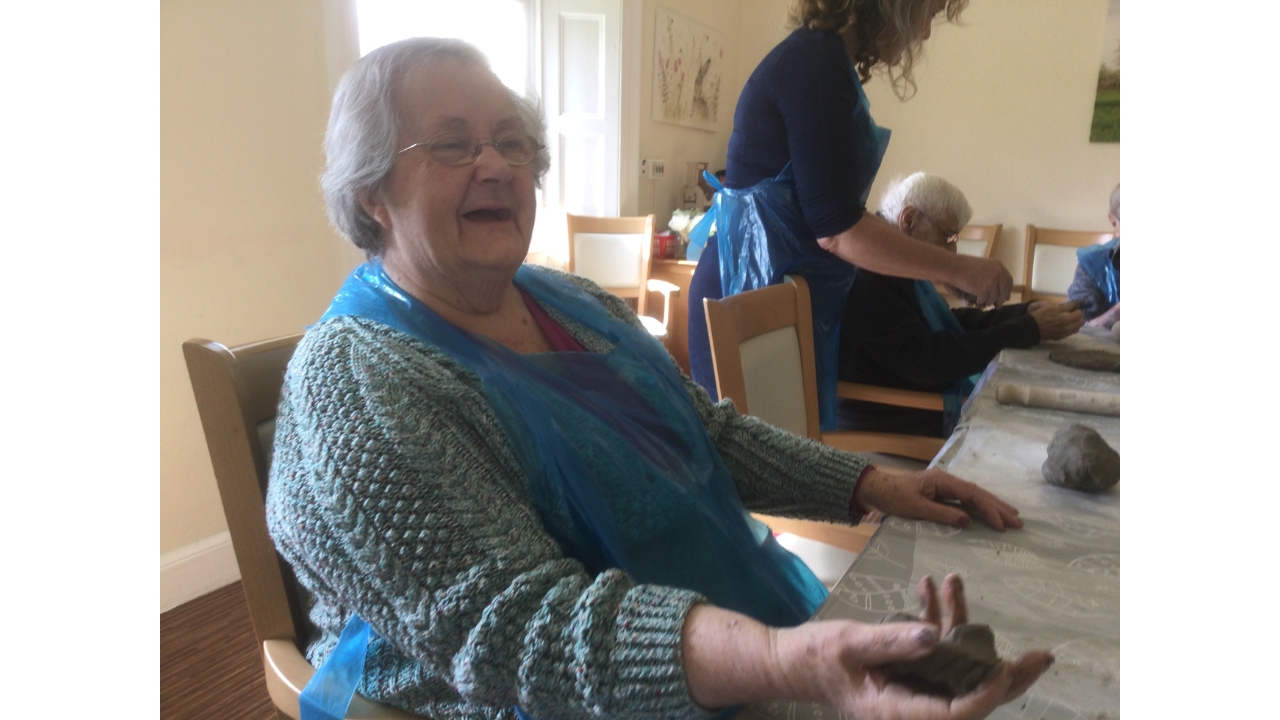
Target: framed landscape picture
{"x":1106,"y":104}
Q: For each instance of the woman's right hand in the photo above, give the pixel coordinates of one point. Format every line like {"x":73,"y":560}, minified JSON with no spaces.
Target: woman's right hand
{"x":985,"y":279}
{"x":732,"y":660}
{"x":1057,"y":321}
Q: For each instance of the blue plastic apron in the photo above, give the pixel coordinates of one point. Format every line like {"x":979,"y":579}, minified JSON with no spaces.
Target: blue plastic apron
{"x":763,"y":236}
{"x":938,"y":316}
{"x":620,"y":467}
{"x":1096,"y":261}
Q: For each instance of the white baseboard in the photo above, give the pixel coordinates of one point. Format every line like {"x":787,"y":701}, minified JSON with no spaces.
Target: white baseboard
{"x":197,"y":569}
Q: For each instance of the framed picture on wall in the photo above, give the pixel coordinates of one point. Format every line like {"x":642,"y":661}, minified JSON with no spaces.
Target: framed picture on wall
{"x":1106,"y":104}
{"x":687,"y":62}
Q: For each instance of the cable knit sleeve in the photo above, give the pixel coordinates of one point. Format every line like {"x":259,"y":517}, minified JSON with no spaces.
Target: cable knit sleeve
{"x":394,"y":495}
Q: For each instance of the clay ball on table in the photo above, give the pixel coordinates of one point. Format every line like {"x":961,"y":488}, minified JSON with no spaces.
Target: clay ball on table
{"x":958,"y":664}
{"x":1081,"y":460}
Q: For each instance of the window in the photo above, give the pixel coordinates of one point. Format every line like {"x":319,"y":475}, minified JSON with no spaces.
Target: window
{"x":504,"y":36}
{"x":568,"y":52}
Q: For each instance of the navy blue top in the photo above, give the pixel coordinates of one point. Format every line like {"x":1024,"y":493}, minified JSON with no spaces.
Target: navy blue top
{"x":798,"y":107}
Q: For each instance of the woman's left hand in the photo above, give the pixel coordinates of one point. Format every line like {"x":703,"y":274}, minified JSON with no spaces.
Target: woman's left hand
{"x":932,"y":495}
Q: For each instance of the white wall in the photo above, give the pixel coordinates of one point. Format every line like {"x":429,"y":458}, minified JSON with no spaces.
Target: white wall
{"x":1003,"y":109}
{"x":246,"y":252}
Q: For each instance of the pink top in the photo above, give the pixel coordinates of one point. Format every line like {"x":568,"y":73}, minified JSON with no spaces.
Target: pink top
{"x":561,"y":340}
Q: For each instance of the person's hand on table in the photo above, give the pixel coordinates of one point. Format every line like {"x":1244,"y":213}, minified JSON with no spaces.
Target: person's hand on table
{"x":1057,"y":321}
{"x":835,"y":662}
{"x":930,"y":494}
{"x":985,"y":280}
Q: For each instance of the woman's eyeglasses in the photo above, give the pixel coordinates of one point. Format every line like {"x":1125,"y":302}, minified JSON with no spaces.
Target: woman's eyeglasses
{"x":951,"y":235}
{"x":449,"y":149}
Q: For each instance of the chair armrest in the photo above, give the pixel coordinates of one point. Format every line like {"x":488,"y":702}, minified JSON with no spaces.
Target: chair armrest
{"x":664,"y":287}
{"x":890,"y":396}
{"x":917,"y":447}
{"x":853,"y":538}
{"x":667,"y":289}
{"x":288,"y":672}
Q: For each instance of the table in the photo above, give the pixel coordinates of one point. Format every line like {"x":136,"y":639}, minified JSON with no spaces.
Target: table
{"x":1054,"y":584}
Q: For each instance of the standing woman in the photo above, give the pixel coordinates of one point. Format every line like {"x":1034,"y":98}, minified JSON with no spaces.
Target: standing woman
{"x":802,"y":158}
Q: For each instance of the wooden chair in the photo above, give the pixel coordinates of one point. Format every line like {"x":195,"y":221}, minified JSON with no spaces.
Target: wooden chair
{"x":615,"y":252}
{"x":1049,"y":263}
{"x":762,"y":351}
{"x":978,"y":240}
{"x":237,"y":392}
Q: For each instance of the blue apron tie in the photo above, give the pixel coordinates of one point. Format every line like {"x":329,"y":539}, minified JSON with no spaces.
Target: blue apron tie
{"x":328,"y":694}
{"x":938,"y":315}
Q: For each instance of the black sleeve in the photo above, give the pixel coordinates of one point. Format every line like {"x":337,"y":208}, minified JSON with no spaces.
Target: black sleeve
{"x":1093,"y":302}
{"x":885,"y":339}
{"x":976,"y":319}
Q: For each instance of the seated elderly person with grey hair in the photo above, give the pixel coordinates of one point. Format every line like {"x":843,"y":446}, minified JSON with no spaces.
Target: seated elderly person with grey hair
{"x":901,"y":333}
{"x":505,"y":488}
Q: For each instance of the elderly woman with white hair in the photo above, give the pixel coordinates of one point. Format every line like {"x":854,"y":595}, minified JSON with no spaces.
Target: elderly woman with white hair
{"x":501,"y":484}
{"x":901,"y":333}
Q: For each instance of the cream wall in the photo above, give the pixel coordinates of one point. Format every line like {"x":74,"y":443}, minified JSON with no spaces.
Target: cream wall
{"x":677,"y":144}
{"x":749,"y":28}
{"x":1003,"y":109}
{"x":245,"y":250}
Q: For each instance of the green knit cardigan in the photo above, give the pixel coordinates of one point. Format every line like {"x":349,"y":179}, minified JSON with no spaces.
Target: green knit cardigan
{"x":395,"y":494}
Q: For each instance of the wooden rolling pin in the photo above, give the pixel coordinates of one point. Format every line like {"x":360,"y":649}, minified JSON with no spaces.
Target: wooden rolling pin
{"x":1059,"y":399}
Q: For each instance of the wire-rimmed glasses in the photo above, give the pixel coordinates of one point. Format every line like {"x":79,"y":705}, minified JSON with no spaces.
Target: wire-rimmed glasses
{"x":455,"y":149}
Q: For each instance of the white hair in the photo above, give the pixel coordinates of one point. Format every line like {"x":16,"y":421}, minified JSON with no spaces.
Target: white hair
{"x":929,"y":194}
{"x":360,"y":142}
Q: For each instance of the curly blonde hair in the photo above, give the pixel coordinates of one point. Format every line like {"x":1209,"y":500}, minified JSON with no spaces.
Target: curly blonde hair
{"x":873,"y":22}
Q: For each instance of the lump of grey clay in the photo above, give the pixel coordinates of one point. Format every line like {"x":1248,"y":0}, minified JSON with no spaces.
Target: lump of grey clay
{"x":1081,"y":460}
{"x":1096,"y":360}
{"x":958,"y":664}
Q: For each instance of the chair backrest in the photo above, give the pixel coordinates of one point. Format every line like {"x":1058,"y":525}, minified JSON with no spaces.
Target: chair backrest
{"x":978,"y":240}
{"x":762,"y":350}
{"x":614,"y":252}
{"x":237,"y":393}
{"x":1049,"y":263}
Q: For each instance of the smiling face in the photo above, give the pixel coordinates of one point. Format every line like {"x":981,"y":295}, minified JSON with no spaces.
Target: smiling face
{"x":453,"y":223}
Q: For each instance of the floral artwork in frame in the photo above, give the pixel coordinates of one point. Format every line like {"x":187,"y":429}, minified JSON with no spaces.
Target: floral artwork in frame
{"x":687,"y":61}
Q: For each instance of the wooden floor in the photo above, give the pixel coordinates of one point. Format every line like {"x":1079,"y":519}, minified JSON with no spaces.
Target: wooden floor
{"x":209,"y":662}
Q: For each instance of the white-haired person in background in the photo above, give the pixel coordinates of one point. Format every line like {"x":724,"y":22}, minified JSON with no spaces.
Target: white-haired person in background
{"x":1096,"y":286}
{"x":898,"y":332}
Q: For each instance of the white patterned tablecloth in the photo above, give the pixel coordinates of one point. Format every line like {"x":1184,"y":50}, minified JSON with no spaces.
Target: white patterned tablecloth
{"x":1054,"y":584}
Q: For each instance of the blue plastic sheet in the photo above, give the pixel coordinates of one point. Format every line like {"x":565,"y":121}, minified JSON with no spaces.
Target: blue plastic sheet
{"x":938,"y":315}
{"x":328,"y":694}
{"x":699,"y":233}
{"x":620,"y":467}
{"x":1096,"y":261}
